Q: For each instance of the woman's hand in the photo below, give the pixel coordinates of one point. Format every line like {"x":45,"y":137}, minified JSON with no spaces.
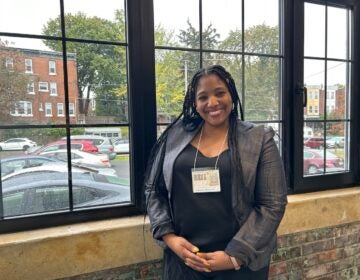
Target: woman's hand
{"x":218,"y":260}
{"x":186,"y":251}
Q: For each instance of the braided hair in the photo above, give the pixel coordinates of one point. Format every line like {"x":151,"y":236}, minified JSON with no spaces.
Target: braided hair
{"x":191,"y":120}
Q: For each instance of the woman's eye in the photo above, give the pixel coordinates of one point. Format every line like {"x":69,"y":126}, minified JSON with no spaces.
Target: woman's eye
{"x":202,"y":98}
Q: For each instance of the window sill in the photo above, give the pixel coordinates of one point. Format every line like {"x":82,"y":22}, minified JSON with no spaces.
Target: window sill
{"x":82,"y":248}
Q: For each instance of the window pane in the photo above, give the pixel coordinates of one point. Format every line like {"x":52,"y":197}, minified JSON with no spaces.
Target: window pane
{"x":25,"y":169}
{"x":174,"y":70}
{"x":262,"y":26}
{"x":97,"y":83}
{"x":337,"y":136}
{"x":337,"y":89}
{"x":28,"y":85}
{"x":30,"y":16}
{"x":262,"y":88}
{"x":314,"y":80}
{"x":103,"y":20}
{"x":222,"y":25}
{"x":337,"y":44}
{"x":314,"y":30}
{"x":232,"y":64}
{"x":314,"y":144}
{"x":177,"y":23}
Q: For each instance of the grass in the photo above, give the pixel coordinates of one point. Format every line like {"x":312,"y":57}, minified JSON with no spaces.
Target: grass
{"x":124,"y":157}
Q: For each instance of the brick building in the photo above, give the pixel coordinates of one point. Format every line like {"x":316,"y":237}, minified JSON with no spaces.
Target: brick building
{"x":44,"y":100}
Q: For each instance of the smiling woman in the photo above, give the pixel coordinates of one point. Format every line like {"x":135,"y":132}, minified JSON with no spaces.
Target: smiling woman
{"x":214,"y":158}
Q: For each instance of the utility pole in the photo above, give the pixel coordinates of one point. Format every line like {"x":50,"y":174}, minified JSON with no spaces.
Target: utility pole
{"x":186,"y":74}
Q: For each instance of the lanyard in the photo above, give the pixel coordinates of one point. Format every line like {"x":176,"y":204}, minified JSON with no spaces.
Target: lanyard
{"x":198,"y":145}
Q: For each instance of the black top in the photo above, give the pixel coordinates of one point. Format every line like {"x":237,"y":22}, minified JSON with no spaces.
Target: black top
{"x":205,"y":219}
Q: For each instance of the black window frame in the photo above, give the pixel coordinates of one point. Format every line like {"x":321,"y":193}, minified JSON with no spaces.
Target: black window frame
{"x":143,"y":115}
{"x":299,"y":183}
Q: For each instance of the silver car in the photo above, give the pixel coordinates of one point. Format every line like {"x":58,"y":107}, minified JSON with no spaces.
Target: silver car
{"x":104,"y":144}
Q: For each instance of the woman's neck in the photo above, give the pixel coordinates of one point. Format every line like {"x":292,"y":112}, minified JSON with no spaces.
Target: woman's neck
{"x":215,"y":131}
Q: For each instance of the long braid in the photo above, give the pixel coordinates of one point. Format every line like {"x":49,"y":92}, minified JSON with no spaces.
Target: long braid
{"x":191,"y":118}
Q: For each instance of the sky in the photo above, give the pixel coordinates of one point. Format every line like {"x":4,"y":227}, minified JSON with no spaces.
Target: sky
{"x":31,"y":15}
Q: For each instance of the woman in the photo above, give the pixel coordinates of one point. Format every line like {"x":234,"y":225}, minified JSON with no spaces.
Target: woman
{"x":215,"y":187}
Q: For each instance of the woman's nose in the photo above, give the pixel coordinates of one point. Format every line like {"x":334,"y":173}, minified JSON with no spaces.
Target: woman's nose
{"x":213,"y":101}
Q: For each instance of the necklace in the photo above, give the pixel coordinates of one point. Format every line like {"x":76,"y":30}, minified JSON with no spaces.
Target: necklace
{"x":198,"y":145}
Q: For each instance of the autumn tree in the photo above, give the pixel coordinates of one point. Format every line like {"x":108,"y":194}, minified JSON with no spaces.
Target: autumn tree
{"x":13,"y":82}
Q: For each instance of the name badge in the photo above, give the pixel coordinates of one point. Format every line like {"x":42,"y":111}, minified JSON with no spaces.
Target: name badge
{"x":205,"y":180}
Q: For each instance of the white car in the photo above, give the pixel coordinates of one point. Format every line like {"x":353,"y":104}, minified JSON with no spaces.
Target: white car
{"x":80,"y":157}
{"x":121,"y":146}
{"x":57,"y":167}
{"x":17,"y":144}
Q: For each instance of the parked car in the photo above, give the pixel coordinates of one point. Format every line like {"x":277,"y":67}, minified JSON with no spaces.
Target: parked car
{"x":80,"y":157}
{"x":49,"y":191}
{"x":314,"y":142}
{"x":103,"y":144}
{"x":17,"y":144}
{"x":335,"y":142}
{"x":314,"y":161}
{"x":121,"y":146}
{"x":13,"y":164}
{"x":85,"y":146}
{"x":61,"y":166}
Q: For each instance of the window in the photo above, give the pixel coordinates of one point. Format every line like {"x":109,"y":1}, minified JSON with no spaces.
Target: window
{"x":43,"y":86}
{"x":328,"y":64}
{"x":53,"y":88}
{"x":9,"y":63}
{"x":60,"y":109}
{"x":104,"y":70}
{"x":23,"y":109}
{"x":30,"y":88}
{"x":52,"y":67}
{"x":48,"y":109}
{"x":71,"y":109}
{"x":28,"y":65}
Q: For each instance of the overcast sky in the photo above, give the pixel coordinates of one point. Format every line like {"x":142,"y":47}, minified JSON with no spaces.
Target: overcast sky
{"x":29,"y":16}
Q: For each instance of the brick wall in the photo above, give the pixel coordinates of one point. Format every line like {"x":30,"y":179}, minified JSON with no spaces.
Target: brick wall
{"x":326,"y":253}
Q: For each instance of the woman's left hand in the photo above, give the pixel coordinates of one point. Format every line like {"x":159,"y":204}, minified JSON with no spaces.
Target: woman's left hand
{"x":218,"y":260}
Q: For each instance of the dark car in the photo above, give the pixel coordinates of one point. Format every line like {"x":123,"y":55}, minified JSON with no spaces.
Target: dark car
{"x":13,"y":164}
{"x":314,"y":143}
{"x":314,"y":161}
{"x":48,"y":191}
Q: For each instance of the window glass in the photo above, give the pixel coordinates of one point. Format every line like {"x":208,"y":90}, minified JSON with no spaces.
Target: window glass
{"x":261,"y":33}
{"x":222,"y":25}
{"x":177,"y":23}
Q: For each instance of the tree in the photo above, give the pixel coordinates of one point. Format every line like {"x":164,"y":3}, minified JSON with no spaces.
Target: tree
{"x":13,"y":82}
{"x":261,"y":72}
{"x":101,"y":67}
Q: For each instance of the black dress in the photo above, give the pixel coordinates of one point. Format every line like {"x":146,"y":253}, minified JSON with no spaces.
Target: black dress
{"x":204,"y":219}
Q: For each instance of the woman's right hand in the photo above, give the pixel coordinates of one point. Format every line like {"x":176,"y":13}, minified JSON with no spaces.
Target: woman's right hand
{"x":186,"y":251}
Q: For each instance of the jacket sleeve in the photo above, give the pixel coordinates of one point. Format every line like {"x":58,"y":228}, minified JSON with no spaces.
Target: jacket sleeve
{"x":252,"y":243}
{"x":157,"y":203}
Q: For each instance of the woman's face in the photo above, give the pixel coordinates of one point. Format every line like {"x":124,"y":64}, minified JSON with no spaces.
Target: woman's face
{"x":213,"y":100}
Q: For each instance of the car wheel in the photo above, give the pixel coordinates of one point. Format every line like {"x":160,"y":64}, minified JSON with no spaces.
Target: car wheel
{"x":25,"y":148}
{"x":321,"y":147}
{"x":312,"y":169}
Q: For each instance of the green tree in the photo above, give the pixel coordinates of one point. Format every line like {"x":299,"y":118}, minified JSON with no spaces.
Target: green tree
{"x":261,"y":72}
{"x":101,"y":67}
